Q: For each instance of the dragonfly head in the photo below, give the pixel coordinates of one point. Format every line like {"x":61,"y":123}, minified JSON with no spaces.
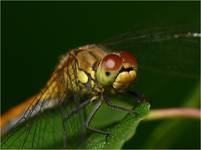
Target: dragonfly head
{"x":117,"y":70}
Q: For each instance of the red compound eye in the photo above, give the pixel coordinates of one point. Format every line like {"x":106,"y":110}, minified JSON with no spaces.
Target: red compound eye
{"x":112,"y":62}
{"x":128,"y":57}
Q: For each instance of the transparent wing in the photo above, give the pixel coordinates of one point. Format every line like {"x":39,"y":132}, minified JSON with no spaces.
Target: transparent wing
{"x":27,"y":131}
{"x":162,"y":44}
{"x":73,"y":115}
{"x":40,"y":127}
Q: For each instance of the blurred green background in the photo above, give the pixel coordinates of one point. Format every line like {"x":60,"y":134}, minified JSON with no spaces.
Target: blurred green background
{"x":35,"y":34}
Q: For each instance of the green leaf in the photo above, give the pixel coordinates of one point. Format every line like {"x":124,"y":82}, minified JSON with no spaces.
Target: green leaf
{"x":120,"y":132}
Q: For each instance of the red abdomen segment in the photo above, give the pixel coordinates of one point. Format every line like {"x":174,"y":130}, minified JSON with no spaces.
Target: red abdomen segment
{"x":8,"y":119}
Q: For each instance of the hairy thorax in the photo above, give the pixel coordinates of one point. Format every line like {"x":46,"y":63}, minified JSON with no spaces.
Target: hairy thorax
{"x":80,"y":72}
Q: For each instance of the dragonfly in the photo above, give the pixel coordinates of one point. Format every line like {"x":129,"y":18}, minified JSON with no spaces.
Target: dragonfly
{"x":85,"y":76}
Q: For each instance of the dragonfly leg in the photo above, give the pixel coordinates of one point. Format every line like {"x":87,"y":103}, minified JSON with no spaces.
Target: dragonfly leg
{"x":140,"y":98}
{"x":77,"y":109}
{"x":97,"y":106}
{"x":110,"y":104}
{"x":72,"y":112}
{"x":65,"y":133}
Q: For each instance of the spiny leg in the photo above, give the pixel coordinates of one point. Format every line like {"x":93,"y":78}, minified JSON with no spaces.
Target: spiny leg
{"x":110,"y":104}
{"x":70,"y":114}
{"x":140,"y":98}
{"x":65,"y":133}
{"x":77,"y":109}
{"x":93,"y":112}
{"x":64,"y":127}
{"x":137,"y":97}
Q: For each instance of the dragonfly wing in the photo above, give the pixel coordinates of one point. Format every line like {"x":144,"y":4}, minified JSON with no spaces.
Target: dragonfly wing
{"x":41,"y":125}
{"x":74,"y":114}
{"x":164,"y":45}
{"x":145,"y":35}
{"x":29,"y":128}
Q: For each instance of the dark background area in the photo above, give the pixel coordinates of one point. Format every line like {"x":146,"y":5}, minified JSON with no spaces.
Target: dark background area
{"x":35,"y":34}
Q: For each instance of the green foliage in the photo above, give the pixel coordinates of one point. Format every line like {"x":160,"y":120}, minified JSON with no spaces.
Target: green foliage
{"x":120,"y":132}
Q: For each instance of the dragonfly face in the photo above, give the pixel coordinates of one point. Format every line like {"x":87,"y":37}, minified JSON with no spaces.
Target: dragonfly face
{"x":117,"y":70}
